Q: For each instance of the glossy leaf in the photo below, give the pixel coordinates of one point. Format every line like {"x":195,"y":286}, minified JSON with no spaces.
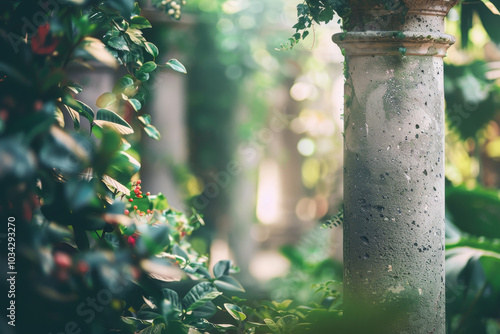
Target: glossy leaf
{"x":108,"y":118}
{"x":173,"y":297}
{"x":139,"y":22}
{"x":115,"y":185}
{"x":151,"y":49}
{"x":136,"y":105}
{"x":152,"y":132}
{"x":154,"y":329}
{"x":474,"y":211}
{"x":222,"y":268}
{"x":85,"y":111}
{"x":229,"y":283}
{"x":271,"y":325}
{"x":98,"y":51}
{"x":235,"y":311}
{"x":160,"y":202}
{"x":106,"y":99}
{"x":75,"y":87}
{"x":148,"y":67}
{"x":125,"y":83}
{"x":176,"y":65}
{"x":199,"y":295}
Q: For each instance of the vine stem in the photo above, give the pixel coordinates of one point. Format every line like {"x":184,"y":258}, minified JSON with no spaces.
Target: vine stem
{"x":314,"y":37}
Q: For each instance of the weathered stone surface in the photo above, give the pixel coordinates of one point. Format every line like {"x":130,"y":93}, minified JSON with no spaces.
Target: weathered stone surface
{"x":394,"y":162}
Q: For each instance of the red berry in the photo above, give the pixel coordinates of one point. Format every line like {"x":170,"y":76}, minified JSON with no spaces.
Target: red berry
{"x":139,"y":181}
{"x":62,"y":260}
{"x":126,"y":212}
{"x":135,"y":207}
{"x":148,"y":194}
{"x":130,"y":200}
{"x":131,"y":241}
{"x":83,"y":267}
{"x":139,"y":196}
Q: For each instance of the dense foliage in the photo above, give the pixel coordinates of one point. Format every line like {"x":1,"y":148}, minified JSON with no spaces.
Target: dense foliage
{"x":94,"y":252}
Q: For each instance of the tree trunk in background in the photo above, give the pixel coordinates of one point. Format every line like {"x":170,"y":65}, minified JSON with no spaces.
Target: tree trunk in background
{"x":394,"y":163}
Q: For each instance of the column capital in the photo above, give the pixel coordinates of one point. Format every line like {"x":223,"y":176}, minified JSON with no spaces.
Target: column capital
{"x":394,"y":43}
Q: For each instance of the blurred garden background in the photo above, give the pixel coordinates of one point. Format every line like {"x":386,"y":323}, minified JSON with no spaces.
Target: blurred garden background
{"x":251,"y":138}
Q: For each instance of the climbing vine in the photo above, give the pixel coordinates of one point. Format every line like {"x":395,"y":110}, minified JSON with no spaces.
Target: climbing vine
{"x":310,"y":12}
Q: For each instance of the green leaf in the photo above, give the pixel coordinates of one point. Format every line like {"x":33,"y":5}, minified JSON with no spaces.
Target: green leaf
{"x":145,"y":119}
{"x":288,"y":323}
{"x":108,"y":118}
{"x":58,"y":115}
{"x":173,"y":297}
{"x":97,"y":50}
{"x":222,"y":268}
{"x":326,"y":15}
{"x":151,"y":49}
{"x":229,"y":283}
{"x":491,"y":7}
{"x":75,"y":87}
{"x":155,"y":329}
{"x":271,"y":325}
{"x":85,"y":111}
{"x":112,"y":184}
{"x":75,"y":116}
{"x":148,"y":67}
{"x":106,"y":99}
{"x":139,"y":22}
{"x":152,"y":132}
{"x":147,"y":313}
{"x":474,"y":211}
{"x":122,"y":167}
{"x":119,"y":43}
{"x":136,"y":37}
{"x":142,"y":76}
{"x":160,"y":202}
{"x":176,"y":65}
{"x":125,"y":83}
{"x":136,"y":11}
{"x":78,"y":106}
{"x":136,"y":105}
{"x":205,"y":311}
{"x":122,"y":25}
{"x":154,"y":239}
{"x":178,"y":251}
{"x":235,"y":312}
{"x":170,"y":306}
{"x":199,"y":295}
{"x":471,"y":98}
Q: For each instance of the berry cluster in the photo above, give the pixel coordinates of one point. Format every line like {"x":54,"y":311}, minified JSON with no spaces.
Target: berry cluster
{"x":64,"y":263}
{"x":173,"y":8}
{"x":137,"y":193}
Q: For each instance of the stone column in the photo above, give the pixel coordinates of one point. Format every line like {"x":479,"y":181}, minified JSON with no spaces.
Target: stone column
{"x":394,"y":162}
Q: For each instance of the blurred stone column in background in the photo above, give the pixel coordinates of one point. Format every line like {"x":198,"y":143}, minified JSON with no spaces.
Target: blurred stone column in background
{"x":166,"y":103}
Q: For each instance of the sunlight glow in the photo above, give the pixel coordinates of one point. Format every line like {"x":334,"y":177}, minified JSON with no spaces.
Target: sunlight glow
{"x":268,"y":192}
